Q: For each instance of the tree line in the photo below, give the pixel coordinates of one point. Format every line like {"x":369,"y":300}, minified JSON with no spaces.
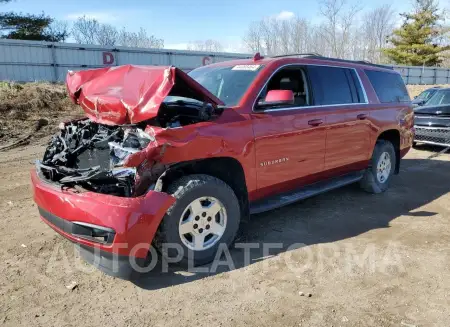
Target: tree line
{"x":344,"y":31}
{"x":85,"y":30}
{"x":347,"y":32}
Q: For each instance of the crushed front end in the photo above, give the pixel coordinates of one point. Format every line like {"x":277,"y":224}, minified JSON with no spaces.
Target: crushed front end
{"x":90,"y":156}
{"x":97,"y":183}
{"x":86,"y":193}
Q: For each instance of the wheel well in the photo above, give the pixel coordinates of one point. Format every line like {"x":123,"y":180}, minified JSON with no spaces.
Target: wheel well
{"x":226,"y":169}
{"x":393,"y":136}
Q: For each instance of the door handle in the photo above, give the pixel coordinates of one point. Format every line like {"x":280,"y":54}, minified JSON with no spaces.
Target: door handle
{"x":315,"y":122}
{"x":361,"y":116}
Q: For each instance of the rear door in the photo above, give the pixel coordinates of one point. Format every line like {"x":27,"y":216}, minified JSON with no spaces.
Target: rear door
{"x":339,"y":90}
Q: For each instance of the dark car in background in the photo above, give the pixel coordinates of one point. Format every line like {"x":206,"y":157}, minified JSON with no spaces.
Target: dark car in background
{"x":432,"y":121}
{"x":424,"y":96}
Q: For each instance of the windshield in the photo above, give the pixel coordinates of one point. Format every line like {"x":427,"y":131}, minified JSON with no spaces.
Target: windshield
{"x":227,"y":83}
{"x":439,"y":98}
{"x":425,"y":95}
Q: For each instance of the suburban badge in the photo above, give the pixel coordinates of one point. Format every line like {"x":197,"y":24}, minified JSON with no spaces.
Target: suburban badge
{"x":273,"y":162}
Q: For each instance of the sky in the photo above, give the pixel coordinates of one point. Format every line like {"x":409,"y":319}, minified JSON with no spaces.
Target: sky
{"x":179,"y":22}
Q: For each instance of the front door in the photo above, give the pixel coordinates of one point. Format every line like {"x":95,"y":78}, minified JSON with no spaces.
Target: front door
{"x":290,"y":140}
{"x":290,"y":148}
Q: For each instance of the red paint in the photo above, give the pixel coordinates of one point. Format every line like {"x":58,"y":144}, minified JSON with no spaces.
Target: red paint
{"x":206,"y":61}
{"x":280,"y":96}
{"x":129,"y":94}
{"x":341,"y":144}
{"x":135,"y":220}
{"x":108,"y":58}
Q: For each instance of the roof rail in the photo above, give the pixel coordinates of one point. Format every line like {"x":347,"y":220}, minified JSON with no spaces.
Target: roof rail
{"x":318,"y":56}
{"x":299,"y":54}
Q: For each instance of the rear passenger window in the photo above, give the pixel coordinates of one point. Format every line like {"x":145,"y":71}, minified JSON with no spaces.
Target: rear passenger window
{"x":334,"y":85}
{"x":389,"y":87}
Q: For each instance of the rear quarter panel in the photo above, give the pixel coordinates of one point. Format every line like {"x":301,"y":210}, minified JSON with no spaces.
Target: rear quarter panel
{"x":389,"y":116}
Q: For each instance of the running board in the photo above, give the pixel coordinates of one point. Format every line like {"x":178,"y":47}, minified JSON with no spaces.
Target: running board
{"x":304,"y":193}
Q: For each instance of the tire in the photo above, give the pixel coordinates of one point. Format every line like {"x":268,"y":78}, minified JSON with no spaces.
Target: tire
{"x":371,"y":182}
{"x":187,"y":190}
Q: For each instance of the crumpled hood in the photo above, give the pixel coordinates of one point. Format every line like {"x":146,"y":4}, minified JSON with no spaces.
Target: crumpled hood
{"x":130,"y":94}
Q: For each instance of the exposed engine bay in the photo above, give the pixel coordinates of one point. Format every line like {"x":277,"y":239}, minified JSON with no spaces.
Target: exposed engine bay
{"x":178,"y":111}
{"x":91,"y":156}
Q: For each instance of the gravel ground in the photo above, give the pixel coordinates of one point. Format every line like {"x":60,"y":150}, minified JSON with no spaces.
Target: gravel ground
{"x":365,"y":260}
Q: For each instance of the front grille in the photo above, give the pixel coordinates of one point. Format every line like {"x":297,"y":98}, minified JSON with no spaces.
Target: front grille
{"x":436,"y":135}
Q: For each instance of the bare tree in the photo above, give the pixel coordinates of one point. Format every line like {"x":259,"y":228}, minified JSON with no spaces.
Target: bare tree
{"x":90,"y":31}
{"x":85,"y":30}
{"x":343,"y":33}
{"x":273,"y":36}
{"x":252,"y":39}
{"x":139,"y":40}
{"x":300,"y":40}
{"x":60,"y":28}
{"x":337,"y":25}
{"x":207,"y":45}
{"x":107,"y":35}
{"x":317,"y":43}
{"x":378,"y":25}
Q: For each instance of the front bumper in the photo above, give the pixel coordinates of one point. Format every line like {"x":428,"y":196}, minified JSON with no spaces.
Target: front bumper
{"x":127,"y":225}
{"x":432,"y":135}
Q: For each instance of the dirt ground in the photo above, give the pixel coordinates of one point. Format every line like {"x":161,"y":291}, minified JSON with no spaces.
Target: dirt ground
{"x":31,"y":111}
{"x":366,"y":260}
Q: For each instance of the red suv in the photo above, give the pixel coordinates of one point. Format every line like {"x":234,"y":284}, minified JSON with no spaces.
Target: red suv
{"x":169,"y":158}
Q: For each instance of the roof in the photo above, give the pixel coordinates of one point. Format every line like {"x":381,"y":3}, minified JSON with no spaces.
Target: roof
{"x":305,"y":59}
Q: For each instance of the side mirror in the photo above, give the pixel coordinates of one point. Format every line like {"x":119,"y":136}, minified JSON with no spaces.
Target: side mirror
{"x":277,"y":98}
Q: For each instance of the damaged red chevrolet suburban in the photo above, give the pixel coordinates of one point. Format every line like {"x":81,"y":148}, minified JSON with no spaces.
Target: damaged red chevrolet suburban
{"x":166,"y":157}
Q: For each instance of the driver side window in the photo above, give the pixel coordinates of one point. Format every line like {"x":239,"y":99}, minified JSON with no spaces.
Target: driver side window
{"x":293,"y":79}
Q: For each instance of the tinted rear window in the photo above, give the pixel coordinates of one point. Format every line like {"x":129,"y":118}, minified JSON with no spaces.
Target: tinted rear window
{"x":389,"y":87}
{"x":333,"y":85}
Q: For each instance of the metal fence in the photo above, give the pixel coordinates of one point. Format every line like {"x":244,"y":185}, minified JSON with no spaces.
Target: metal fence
{"x":424,"y":75}
{"x":26,"y":61}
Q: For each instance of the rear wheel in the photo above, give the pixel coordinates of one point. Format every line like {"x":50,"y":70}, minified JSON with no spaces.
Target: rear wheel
{"x":205,"y":215}
{"x":378,"y":175}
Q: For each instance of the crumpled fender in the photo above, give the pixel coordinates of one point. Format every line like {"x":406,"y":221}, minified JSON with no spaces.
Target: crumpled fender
{"x":171,"y":145}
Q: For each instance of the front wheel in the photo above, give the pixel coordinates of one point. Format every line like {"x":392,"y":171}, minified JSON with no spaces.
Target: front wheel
{"x":378,"y":175}
{"x":205,"y":215}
